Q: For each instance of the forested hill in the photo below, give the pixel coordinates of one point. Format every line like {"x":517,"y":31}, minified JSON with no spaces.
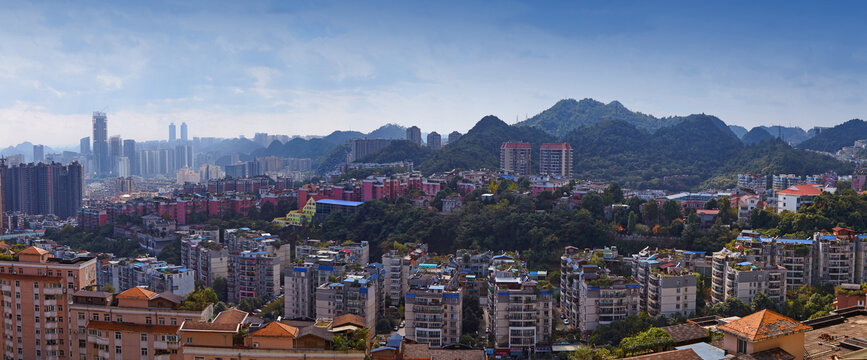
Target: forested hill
{"x":480,"y":147}
{"x":833,"y":139}
{"x":699,"y":151}
{"x":569,"y":114}
{"x":756,"y":135}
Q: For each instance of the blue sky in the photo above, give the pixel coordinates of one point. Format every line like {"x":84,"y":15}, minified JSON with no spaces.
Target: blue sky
{"x":302,"y":68}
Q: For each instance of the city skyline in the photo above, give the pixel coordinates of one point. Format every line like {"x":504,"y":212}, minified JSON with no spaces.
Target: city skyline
{"x":313,"y":68}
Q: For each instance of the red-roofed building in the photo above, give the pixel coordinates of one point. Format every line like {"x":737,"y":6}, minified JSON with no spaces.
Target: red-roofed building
{"x":764,"y":331}
{"x":796,"y":195}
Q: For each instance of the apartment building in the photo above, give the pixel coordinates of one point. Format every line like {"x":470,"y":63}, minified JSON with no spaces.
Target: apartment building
{"x":149,"y":272}
{"x":299,"y":286}
{"x":397,"y":266}
{"x":603,"y":298}
{"x":743,"y":275}
{"x":351,"y":252}
{"x":209,"y":259}
{"x":253,"y":274}
{"x":355,"y":294}
{"x":668,"y":287}
{"x":521,"y":312}
{"x":515,"y":158}
{"x":35,"y":291}
{"x":136,"y":323}
{"x":229,"y":336}
{"x":556,"y":160}
{"x":245,"y":239}
{"x":433,"y":307}
{"x":794,"y":255}
{"x":837,"y":258}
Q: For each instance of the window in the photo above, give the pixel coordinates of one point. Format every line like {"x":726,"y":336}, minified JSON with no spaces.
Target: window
{"x":742,"y":346}
{"x":107,"y":317}
{"x":144,"y":351}
{"x":144,"y":337}
{"x":161,"y":321}
{"x":189,"y":340}
{"x":174,"y":322}
{"x":117,"y":335}
{"x":117,"y":350}
{"x":148,"y":320}
{"x":80,"y":316}
{"x":119,"y":318}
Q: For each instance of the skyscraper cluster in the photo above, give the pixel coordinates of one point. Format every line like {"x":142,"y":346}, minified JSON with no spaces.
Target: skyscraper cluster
{"x":43,"y":188}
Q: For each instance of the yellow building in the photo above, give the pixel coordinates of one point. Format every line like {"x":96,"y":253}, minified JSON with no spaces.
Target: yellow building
{"x":299,"y":217}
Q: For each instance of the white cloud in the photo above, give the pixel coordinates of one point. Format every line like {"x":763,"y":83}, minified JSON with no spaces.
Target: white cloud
{"x":109,"y":81}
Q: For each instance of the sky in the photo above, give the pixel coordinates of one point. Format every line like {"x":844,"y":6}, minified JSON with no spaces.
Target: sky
{"x":311,"y":67}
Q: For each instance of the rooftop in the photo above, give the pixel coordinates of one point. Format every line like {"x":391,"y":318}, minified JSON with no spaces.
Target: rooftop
{"x":682,"y":354}
{"x":763,"y":325}
{"x":827,"y":339}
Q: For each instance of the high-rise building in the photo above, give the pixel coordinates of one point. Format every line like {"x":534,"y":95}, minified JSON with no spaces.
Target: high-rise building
{"x":43,"y":188}
{"x":183,"y":156}
{"x":130,"y":153}
{"x":184,"y":132}
{"x":84,"y":146}
{"x":515,"y":158}
{"x":556,"y":160}
{"x":253,"y":274}
{"x":360,"y":148}
{"x":434,"y":140}
{"x":38,"y":153}
{"x":115,"y":151}
{"x":39,"y":288}
{"x":413,"y":134}
{"x":100,"y":144}
{"x":453,"y":137}
{"x":172,"y":136}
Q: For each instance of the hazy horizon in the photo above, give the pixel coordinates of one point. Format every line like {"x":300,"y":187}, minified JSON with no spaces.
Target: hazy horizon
{"x":310,"y":68}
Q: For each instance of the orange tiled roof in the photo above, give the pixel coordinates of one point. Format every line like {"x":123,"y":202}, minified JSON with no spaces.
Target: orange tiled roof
{"x":231,"y":316}
{"x":682,"y":354}
{"x":763,"y":325}
{"x":348,"y":319}
{"x":277,"y":329}
{"x":33,"y":251}
{"x":137,"y":293}
{"x":209,"y":326}
{"x":801,"y":190}
{"x":115,"y":326}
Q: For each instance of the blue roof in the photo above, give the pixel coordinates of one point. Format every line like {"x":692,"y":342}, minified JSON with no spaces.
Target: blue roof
{"x":394,"y":340}
{"x":452,"y":296}
{"x":694,"y":252}
{"x":339,"y":202}
{"x":427,"y":265}
{"x":299,"y":269}
{"x":436,"y":287}
{"x":745,"y":263}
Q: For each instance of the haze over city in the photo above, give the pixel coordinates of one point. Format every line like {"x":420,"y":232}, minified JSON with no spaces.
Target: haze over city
{"x":305,"y":68}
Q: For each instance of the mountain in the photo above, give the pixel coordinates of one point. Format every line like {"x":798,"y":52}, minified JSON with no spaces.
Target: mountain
{"x":230,"y":146}
{"x":569,"y":114}
{"x":388,"y":131}
{"x":835,"y":138}
{"x":25,"y":148}
{"x":480,"y":147}
{"x":700,"y":152}
{"x":792,"y":135}
{"x":340,"y":137}
{"x":739,"y":131}
{"x":756,"y":135}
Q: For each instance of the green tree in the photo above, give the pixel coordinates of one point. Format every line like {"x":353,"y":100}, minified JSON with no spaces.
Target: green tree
{"x":650,"y":212}
{"x":199,"y":299}
{"x":630,"y":224}
{"x":589,"y":353}
{"x":651,"y":340}
{"x":671,"y":210}
{"x":109,"y":288}
{"x":613,"y":194}
{"x":594,"y":204}
{"x":171,"y":253}
{"x":221,"y":288}
{"x":762,"y":301}
{"x":471,"y":314}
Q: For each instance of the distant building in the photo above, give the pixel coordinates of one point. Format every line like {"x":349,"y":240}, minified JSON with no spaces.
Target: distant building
{"x":172,"y":136}
{"x":556,"y":160}
{"x":434,"y":141}
{"x":38,"y":153}
{"x":84,"y":146}
{"x":184,"y":132}
{"x":454,"y":136}
{"x":43,"y":188}
{"x":100,"y":144}
{"x":743,"y":276}
{"x":515,"y":158}
{"x":413,"y":134}
{"x":354,"y":294}
{"x":781,"y":182}
{"x":130,"y":153}
{"x":360,"y":148}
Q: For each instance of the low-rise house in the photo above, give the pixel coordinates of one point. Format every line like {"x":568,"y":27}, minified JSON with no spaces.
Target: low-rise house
{"x":765,"y":335}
